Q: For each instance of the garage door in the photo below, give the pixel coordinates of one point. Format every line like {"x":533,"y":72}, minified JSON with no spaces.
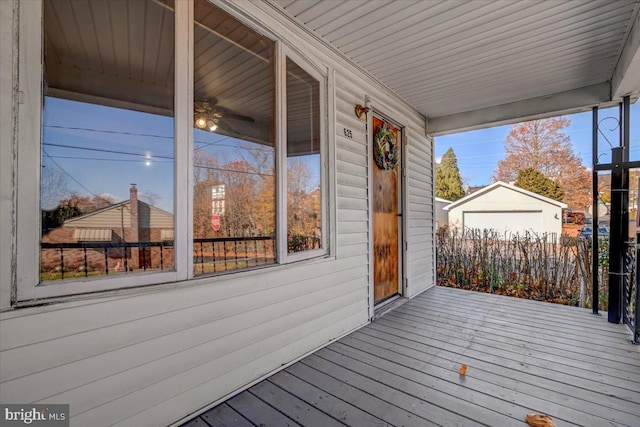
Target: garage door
{"x":505,"y":222}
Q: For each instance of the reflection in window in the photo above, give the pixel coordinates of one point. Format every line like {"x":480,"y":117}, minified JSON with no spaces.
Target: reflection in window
{"x":234,"y":155}
{"x":107,"y":178}
{"x":304,"y":213}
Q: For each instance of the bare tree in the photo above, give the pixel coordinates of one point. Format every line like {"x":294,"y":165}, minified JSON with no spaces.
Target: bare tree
{"x":54,"y":186}
{"x":542,"y":145}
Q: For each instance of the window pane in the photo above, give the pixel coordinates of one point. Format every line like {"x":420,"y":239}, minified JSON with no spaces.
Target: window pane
{"x":304,"y":212}
{"x":107,"y":179}
{"x":234,"y":154}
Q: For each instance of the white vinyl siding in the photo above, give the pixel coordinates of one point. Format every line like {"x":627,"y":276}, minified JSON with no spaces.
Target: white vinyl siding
{"x":505,"y":223}
{"x":152,"y":356}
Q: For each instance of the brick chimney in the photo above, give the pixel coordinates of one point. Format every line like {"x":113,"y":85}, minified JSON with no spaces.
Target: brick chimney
{"x":133,"y":231}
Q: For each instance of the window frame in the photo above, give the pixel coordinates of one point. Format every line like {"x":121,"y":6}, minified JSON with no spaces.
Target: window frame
{"x":31,"y":79}
{"x":284,"y":52}
{"x":29,"y":102}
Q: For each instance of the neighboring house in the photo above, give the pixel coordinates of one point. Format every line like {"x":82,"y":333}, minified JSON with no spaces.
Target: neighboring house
{"x":507,"y":209}
{"x":442,"y":215}
{"x":129,"y":221}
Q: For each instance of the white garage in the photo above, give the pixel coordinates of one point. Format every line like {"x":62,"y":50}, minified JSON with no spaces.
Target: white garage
{"x":507,"y":209}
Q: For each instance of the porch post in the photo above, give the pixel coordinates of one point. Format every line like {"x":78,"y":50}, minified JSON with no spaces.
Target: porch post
{"x":595,"y":291}
{"x":618,"y":233}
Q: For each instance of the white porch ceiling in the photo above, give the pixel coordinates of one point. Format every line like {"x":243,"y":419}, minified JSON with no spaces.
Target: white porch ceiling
{"x":467,"y":64}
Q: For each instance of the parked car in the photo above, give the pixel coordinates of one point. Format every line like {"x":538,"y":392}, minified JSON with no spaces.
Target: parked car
{"x":586,"y":232}
{"x":603,"y":231}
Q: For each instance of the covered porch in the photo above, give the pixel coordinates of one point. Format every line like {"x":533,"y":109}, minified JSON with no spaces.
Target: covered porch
{"x":403,"y":369}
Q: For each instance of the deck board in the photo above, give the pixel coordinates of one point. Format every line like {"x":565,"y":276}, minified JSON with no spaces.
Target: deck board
{"x":224,"y":415}
{"x":523,"y":356}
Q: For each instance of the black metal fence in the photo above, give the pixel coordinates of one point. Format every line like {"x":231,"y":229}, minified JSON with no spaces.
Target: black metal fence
{"x":219,"y":254}
{"x":65,"y":260}
{"x":630,"y":295}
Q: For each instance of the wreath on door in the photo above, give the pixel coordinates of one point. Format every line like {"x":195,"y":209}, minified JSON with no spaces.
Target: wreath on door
{"x":386,"y":153}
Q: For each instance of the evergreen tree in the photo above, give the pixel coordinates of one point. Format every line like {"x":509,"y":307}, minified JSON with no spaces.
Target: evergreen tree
{"x":448,"y":180}
{"x":533,"y":180}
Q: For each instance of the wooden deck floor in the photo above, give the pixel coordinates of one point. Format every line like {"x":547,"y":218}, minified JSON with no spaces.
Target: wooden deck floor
{"x":522,"y":357}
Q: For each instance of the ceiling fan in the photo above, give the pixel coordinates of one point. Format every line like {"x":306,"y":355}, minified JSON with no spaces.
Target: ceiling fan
{"x":209,"y":116}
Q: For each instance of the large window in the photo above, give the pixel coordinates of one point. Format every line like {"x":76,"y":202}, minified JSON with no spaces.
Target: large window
{"x":304,"y":193}
{"x":176,"y":141}
{"x":107,"y":175}
{"x":234,"y":208}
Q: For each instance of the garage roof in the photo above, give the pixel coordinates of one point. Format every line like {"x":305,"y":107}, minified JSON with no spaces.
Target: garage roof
{"x":491,"y":187}
{"x":468,"y":64}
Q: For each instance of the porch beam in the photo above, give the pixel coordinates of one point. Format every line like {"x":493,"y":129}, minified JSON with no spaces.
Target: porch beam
{"x":567,"y":102}
{"x":626,"y":75}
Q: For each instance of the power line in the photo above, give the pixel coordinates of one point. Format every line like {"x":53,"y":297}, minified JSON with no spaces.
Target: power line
{"x":102,"y":159}
{"x":231,"y":170}
{"x":116,"y":132}
{"x":75,"y":180}
{"x":104,"y":150}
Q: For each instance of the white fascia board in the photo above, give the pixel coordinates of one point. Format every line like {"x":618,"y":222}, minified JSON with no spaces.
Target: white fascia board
{"x":567,"y":102}
{"x":626,"y":76}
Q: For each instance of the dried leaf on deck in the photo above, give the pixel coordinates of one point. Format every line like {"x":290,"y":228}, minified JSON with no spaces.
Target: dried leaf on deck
{"x":463,"y":369}
{"x":540,"y":420}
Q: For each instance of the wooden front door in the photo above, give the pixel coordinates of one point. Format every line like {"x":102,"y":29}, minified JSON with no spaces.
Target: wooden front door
{"x":387,"y":180}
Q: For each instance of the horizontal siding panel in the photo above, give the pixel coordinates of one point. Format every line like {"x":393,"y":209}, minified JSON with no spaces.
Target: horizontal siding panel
{"x":346,"y":105}
{"x":418,"y":184}
{"x":347,"y":251}
{"x":354,"y":192}
{"x":343,"y":166}
{"x":416,"y":213}
{"x":422,"y":192}
{"x":420,"y":284}
{"x":241,"y":362}
{"x":352,"y":238}
{"x":416,"y":239}
{"x":347,"y":115}
{"x":349,"y":227}
{"x":194,"y":396}
{"x":421,"y":175}
{"x":100,"y":345}
{"x":420,"y":151}
{"x":421,"y":199}
{"x":414,"y":223}
{"x":350,"y":179}
{"x":358,"y":134}
{"x":349,"y":203}
{"x":251,"y":342}
{"x":423,"y":237}
{"x":420,"y":251}
{"x":352,"y":215}
{"x":26,"y":330}
{"x":420,"y":226}
{"x":343,"y":143}
{"x":351,"y":157}
{"x":422,"y":273}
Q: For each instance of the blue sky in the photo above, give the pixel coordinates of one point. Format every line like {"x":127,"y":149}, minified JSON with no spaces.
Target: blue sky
{"x":102,"y":150}
{"x":479,"y":151}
